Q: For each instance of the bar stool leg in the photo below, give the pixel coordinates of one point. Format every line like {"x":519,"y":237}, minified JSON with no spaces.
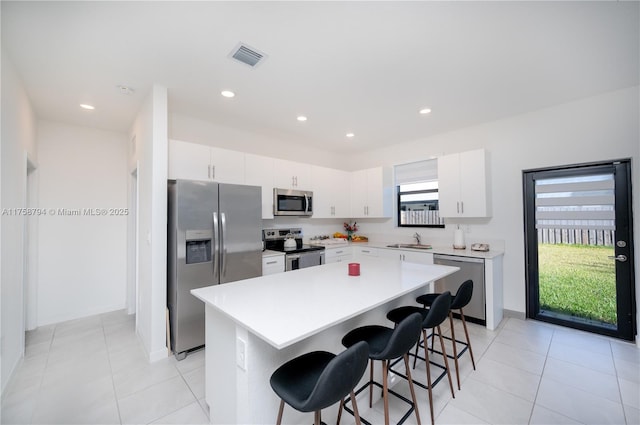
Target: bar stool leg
{"x":317,"y":419}
{"x":466,"y":334}
{"x":455,"y":349}
{"x":446,"y":362}
{"x":385,"y":395}
{"x":413,"y":393}
{"x":355,"y":408}
{"x":429,"y":389}
{"x":279,"y":420}
{"x":371,"y":385}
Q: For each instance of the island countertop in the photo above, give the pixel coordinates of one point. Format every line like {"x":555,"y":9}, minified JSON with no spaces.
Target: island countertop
{"x":285,"y":308}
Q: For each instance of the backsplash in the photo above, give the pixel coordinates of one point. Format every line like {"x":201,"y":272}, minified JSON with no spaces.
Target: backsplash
{"x":384,"y":230}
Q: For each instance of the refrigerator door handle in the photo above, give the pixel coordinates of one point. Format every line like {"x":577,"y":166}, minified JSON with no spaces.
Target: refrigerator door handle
{"x":223,"y":239}
{"x":215,"y":245}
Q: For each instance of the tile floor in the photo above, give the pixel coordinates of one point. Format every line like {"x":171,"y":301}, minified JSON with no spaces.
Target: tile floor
{"x":92,"y":371}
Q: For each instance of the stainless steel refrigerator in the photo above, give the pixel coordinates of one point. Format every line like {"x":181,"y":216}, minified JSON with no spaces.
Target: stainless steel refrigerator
{"x":214,"y":236}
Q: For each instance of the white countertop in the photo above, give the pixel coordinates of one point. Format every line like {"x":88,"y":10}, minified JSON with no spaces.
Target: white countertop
{"x":269,"y":253}
{"x":435,"y":249}
{"x":285,"y":308}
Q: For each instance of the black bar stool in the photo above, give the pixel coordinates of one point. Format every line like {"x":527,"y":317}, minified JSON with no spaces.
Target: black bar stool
{"x":387,"y":344}
{"x":432,"y":319}
{"x":316,"y":380}
{"x":458,"y":302}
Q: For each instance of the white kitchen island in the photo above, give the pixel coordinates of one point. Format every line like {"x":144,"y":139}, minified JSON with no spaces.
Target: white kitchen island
{"x":255,"y":325}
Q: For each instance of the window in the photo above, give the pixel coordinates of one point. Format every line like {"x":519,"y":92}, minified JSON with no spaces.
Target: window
{"x":417,"y":194}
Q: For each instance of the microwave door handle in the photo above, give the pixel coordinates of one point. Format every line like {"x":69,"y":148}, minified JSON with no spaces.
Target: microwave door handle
{"x":215,"y":246}
{"x":306,"y":204}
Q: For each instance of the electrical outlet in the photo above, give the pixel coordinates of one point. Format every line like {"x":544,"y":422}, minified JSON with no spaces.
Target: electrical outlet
{"x":241,"y":353}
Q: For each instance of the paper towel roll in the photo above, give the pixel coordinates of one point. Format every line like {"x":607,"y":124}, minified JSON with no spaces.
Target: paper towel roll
{"x":458,"y":239}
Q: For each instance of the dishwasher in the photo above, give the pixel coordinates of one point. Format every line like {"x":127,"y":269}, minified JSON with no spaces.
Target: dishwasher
{"x":470,"y":268}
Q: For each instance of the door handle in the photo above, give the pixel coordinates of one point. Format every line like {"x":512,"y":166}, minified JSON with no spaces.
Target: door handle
{"x":622,"y":258}
{"x":223,"y":238}
{"x":216,"y":242}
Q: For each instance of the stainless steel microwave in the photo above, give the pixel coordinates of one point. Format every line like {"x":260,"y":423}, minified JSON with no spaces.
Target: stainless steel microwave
{"x":292,"y":202}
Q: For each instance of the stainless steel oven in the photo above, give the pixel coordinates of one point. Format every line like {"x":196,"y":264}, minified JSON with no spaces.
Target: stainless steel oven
{"x":298,"y":256}
{"x":292,"y":202}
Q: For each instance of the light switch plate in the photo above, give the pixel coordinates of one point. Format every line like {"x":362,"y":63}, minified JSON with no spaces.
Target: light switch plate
{"x":241,"y":353}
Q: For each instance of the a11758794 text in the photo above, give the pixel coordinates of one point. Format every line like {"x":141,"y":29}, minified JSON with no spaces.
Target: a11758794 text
{"x":66,"y":212}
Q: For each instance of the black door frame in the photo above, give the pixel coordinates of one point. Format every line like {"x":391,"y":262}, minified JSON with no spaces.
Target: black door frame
{"x":625,"y":296}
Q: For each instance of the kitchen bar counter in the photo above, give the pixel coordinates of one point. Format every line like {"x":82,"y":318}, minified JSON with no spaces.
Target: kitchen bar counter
{"x":254,"y":326}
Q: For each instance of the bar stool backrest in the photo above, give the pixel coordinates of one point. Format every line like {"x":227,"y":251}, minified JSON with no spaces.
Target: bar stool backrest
{"x":339,"y":377}
{"x":404,"y":336}
{"x":463,"y":296}
{"x":438,"y":312}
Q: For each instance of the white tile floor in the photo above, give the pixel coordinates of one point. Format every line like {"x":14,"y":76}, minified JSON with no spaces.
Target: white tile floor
{"x":92,"y":371}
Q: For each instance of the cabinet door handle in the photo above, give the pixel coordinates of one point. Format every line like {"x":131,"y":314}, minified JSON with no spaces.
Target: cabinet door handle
{"x":213,"y":172}
{"x":209,"y":171}
{"x":461,"y":207}
{"x":272,"y":262}
{"x":458,"y":207}
{"x":339,"y":252}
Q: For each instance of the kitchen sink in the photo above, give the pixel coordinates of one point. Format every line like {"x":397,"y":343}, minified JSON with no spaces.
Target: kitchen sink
{"x":409,"y":245}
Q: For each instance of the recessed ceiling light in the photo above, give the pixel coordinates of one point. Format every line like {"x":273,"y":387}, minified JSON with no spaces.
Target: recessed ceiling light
{"x":227,"y":93}
{"x":425,"y":111}
{"x":301,"y":118}
{"x":88,"y":107}
{"x":350,"y":135}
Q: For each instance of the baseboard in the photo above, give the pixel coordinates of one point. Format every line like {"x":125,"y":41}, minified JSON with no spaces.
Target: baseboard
{"x":155,"y":355}
{"x":12,"y":372}
{"x":514,"y":314}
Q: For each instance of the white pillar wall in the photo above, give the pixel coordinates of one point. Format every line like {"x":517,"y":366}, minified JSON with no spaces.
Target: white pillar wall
{"x":151,"y":154}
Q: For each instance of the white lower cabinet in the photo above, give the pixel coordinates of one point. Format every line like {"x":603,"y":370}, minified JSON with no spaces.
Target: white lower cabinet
{"x":338,"y":255}
{"x":365,"y":250}
{"x":410,"y":256}
{"x":272,"y":264}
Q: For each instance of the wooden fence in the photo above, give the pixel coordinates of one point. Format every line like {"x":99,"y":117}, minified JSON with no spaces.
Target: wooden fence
{"x":577,"y":236}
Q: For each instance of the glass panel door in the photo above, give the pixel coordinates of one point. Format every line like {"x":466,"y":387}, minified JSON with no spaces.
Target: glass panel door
{"x":579,"y":248}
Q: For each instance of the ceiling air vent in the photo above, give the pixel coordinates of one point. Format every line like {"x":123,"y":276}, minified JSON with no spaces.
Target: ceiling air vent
{"x":247,"y":55}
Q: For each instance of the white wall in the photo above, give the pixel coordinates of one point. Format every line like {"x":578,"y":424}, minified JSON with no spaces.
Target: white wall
{"x":150,"y":132}
{"x":599,"y":128}
{"x":18,"y":142}
{"x":81,"y":258}
{"x":207,"y":133}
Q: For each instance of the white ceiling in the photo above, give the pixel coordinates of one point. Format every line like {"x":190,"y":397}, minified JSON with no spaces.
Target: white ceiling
{"x":362,"y":67}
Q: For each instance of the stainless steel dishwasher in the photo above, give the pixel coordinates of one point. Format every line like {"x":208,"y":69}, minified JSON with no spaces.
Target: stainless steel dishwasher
{"x":470,"y":268}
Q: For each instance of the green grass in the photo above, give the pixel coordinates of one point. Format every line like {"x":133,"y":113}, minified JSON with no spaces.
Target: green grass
{"x":578,"y":280}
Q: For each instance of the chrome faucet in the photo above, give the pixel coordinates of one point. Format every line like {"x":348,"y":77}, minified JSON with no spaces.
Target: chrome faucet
{"x":417,"y":237}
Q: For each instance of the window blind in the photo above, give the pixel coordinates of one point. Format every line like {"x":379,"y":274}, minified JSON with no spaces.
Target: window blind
{"x":586,"y":202}
{"x":418,"y":171}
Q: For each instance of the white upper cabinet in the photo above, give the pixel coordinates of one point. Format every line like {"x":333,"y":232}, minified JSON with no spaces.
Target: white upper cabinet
{"x":331,"y":191}
{"x":371,"y":193}
{"x":189,"y":161}
{"x":463,"y":185}
{"x":192,"y":161}
{"x":291,"y":175}
{"x":259,"y":172}
{"x":227,"y":166}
